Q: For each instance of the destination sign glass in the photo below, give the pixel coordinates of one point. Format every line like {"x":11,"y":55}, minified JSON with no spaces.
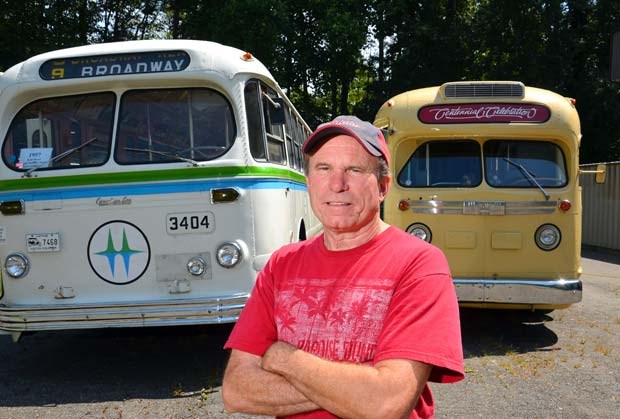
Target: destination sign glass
{"x":114,"y":65}
{"x":476,"y":113}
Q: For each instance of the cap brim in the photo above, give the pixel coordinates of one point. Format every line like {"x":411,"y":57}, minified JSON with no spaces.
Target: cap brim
{"x":322,"y":134}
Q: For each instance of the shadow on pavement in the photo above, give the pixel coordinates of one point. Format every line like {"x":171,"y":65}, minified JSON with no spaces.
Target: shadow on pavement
{"x":600,"y":254}
{"x":498,"y":332}
{"x":112,"y":365}
{"x":57,"y":368}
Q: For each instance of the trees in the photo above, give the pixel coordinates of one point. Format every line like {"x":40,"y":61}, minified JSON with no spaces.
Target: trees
{"x":123,"y":20}
{"x":313,"y":47}
{"x":349,"y":56}
{"x":32,"y":27}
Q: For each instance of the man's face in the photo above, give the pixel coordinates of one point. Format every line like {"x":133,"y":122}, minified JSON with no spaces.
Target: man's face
{"x":342,"y":181}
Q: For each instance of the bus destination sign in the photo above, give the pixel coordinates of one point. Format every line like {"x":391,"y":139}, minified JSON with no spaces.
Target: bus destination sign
{"x":470,"y":113}
{"x":114,"y":65}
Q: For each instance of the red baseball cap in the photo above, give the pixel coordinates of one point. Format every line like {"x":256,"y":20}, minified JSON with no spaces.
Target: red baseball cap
{"x":369,"y":136}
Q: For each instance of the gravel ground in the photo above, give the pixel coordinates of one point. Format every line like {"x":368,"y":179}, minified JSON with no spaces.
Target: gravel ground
{"x":519,"y":365}
{"x":562,"y":365}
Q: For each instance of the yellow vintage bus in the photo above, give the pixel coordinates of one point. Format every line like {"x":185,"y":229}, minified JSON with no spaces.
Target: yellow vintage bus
{"x":488,"y":172}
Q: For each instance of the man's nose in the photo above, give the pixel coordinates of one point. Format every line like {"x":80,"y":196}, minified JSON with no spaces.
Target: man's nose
{"x":338,"y":181}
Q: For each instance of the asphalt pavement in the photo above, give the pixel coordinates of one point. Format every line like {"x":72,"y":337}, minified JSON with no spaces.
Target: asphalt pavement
{"x":564,"y":364}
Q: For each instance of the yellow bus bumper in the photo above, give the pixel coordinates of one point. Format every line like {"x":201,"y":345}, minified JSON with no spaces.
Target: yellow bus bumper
{"x":518,"y":293}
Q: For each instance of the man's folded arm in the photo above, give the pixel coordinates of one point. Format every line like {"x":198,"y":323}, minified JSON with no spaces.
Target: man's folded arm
{"x":248,"y":388}
{"x":389,"y":389}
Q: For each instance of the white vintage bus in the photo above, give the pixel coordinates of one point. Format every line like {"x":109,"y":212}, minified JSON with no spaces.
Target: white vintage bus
{"x":143,"y":183}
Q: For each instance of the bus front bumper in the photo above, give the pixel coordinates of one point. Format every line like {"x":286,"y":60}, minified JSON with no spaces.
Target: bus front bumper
{"x":560,"y":292}
{"x":24,"y":318}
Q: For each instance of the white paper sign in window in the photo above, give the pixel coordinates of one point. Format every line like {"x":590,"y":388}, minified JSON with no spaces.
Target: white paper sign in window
{"x":34,"y":157}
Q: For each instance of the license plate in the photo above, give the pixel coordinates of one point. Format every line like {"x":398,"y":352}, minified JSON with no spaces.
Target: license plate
{"x":484,"y":207}
{"x":190,"y":222}
{"x":43,"y":242}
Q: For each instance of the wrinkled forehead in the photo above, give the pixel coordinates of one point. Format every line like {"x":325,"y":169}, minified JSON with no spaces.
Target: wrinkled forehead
{"x":343,"y":150}
{"x":343,"y":142}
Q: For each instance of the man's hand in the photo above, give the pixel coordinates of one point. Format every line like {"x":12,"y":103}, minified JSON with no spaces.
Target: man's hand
{"x":248,"y":388}
{"x":274,"y":360}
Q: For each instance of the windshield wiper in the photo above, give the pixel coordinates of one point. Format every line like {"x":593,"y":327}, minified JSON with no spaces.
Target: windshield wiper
{"x":163,"y":153}
{"x":59,"y":156}
{"x":529,"y":176}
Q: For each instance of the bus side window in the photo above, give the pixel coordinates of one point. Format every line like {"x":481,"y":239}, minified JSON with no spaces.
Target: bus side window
{"x":267,"y":140}
{"x":290,"y":123}
{"x":253,"y":114}
{"x":300,"y":137}
{"x":276,"y":151}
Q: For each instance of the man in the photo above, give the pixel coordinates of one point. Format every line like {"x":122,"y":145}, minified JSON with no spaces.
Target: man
{"x":354,"y":322}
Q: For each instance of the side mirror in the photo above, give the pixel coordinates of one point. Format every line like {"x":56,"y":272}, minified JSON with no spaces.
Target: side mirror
{"x":276,"y":111}
{"x":601,"y":173}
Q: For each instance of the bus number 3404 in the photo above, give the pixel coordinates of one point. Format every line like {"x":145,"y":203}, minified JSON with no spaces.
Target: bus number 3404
{"x":189,"y":223}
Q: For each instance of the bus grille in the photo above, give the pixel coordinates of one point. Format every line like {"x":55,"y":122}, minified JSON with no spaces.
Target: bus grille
{"x":475,"y":90}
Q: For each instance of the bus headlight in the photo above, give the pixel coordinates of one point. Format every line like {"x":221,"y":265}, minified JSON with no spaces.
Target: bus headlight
{"x":16,"y":265}
{"x":547,"y":237}
{"x":421,"y":231}
{"x":196,"y":266}
{"x":228,"y":254}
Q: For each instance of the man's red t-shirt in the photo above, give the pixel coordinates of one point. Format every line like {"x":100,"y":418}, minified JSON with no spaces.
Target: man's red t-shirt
{"x":390,"y":298}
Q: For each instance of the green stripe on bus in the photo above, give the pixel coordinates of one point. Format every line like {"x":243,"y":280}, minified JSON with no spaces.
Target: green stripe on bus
{"x":149,"y":176}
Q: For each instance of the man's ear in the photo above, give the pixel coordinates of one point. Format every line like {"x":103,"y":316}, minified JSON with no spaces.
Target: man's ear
{"x":384,"y":186}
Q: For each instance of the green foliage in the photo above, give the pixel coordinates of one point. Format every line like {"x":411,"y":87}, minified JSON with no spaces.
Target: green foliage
{"x":123,"y":20}
{"x":349,"y":56}
{"x":32,"y":27}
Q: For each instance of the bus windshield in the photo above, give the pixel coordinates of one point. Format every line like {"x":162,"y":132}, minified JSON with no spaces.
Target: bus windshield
{"x":157,"y":126}
{"x":507,"y":164}
{"x":443,"y":164}
{"x":60,"y":133}
{"x":543,"y":160}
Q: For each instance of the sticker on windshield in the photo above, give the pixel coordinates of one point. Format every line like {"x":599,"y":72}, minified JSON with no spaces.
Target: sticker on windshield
{"x":34,"y":157}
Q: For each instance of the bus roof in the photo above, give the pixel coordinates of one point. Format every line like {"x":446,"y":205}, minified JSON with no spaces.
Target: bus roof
{"x":203,"y":56}
{"x":402,"y":113}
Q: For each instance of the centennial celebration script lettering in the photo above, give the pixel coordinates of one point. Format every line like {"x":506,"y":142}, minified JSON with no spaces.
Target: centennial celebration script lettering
{"x":484,"y":112}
